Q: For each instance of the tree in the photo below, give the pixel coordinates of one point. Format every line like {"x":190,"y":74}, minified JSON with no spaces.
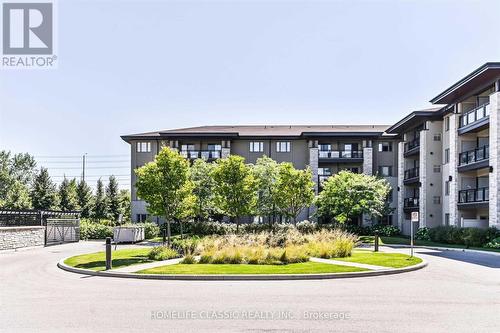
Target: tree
{"x":203,"y":185}
{"x":162,"y":184}
{"x":125,"y":209}
{"x":347,"y":195}
{"x":17,"y":197}
{"x":68,"y":199}
{"x":100,"y":205}
{"x":84,"y":198}
{"x":113,"y":199}
{"x":44,"y":191}
{"x":266,"y":174}
{"x":15,"y":168}
{"x":235,"y":187}
{"x":188,"y":206}
{"x":295,"y":190}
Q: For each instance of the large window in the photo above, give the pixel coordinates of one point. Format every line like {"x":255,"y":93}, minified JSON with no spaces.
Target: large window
{"x":214,"y":147}
{"x":385,"y":146}
{"x":189,"y":147}
{"x":447,"y":124}
{"x":256,"y":146}
{"x":143,"y":147}
{"x":283,"y":146}
{"x":446,"y":155}
{"x":325,"y":147}
{"x":447,"y":188}
{"x":385,"y":171}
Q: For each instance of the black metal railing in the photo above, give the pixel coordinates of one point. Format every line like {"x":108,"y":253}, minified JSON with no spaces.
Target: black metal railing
{"x":411,"y":202}
{"x":474,"y":195}
{"x":474,"y":115}
{"x":203,"y":154}
{"x":340,"y":154}
{"x":410,"y":145}
{"x":474,"y":155}
{"x":412,"y":173}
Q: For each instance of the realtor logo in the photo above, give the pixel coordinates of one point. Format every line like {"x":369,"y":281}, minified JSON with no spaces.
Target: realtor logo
{"x":28,"y":34}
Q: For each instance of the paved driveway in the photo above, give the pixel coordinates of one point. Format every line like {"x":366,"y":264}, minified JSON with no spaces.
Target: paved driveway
{"x":457,"y":292}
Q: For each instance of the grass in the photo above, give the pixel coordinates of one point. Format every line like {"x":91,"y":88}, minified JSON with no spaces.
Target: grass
{"x":203,"y":269}
{"x":394,"y":240}
{"x":121,"y":258}
{"x":159,"y":239}
{"x":394,"y":260}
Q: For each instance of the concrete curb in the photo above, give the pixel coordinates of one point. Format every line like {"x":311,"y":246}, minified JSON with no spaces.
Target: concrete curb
{"x":443,"y":248}
{"x":242,"y":277}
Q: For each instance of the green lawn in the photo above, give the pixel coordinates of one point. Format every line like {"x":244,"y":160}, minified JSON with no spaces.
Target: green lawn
{"x":394,"y":260}
{"x":160,"y":238}
{"x":97,"y":261}
{"x":300,"y":268}
{"x":406,"y":241}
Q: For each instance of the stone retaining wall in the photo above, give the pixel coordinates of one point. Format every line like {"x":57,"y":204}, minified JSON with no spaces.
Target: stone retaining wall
{"x":18,"y":237}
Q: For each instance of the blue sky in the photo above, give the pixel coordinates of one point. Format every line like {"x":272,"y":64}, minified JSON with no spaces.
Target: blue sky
{"x":127,"y":67}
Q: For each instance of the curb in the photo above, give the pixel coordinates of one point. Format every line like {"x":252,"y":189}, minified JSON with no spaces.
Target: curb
{"x":444,"y":249}
{"x":242,"y":277}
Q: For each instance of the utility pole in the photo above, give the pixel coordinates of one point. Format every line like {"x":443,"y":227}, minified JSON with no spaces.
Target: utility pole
{"x":83,"y":166}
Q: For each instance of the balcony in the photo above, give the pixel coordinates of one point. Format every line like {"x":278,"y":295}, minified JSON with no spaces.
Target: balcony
{"x":411,"y":175}
{"x":474,"y":197}
{"x":411,"y":204}
{"x":475,"y":119}
{"x":340,"y":156}
{"x":203,"y":154}
{"x":412,"y":147}
{"x":474,"y":159}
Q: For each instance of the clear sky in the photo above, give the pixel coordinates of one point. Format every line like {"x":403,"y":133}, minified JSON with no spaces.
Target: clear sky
{"x":128,"y":67}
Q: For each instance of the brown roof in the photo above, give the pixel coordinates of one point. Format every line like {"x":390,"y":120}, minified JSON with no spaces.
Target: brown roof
{"x":265,"y":130}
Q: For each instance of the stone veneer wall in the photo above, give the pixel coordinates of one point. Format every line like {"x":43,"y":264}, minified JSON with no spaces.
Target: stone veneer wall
{"x":423,"y":181}
{"x":367,"y":170}
{"x":494,"y":177}
{"x":453,"y":171}
{"x":18,"y":237}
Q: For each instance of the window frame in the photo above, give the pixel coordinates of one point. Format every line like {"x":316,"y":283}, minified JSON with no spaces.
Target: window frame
{"x":252,"y":145}
{"x":143,"y":147}
{"x":381,"y":146}
{"x":288,"y":146}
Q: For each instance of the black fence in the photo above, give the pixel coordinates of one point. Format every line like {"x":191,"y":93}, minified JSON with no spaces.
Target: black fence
{"x":29,"y":218}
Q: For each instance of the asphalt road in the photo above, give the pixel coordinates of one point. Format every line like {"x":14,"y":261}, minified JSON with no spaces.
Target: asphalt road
{"x":457,"y":292}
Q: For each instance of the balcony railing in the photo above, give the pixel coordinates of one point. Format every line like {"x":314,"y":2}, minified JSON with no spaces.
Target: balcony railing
{"x":474,"y":115}
{"x":474,"y":195}
{"x":412,"y":173}
{"x":412,"y":144}
{"x":340,"y":154}
{"x":475,"y":155}
{"x":411,"y":202}
{"x":203,"y":154}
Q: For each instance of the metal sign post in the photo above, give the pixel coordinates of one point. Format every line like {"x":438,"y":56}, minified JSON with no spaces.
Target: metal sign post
{"x":414,"y":218}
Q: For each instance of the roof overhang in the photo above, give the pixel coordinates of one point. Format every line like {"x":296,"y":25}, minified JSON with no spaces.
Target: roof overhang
{"x":476,"y":81}
{"x":340,"y":134}
{"x":413,"y":119}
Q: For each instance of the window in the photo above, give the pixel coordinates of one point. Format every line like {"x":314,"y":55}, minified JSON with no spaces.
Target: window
{"x":283,"y":146}
{"x":437,"y":168}
{"x":214,"y":147}
{"x":446,"y":188}
{"x":189,"y":147}
{"x":385,"y":146}
{"x":141,"y":218}
{"x":447,"y":219}
{"x":437,"y":137}
{"x":386,"y":220}
{"x":446,"y":155}
{"x":385,"y":171}
{"x":325,"y":147}
{"x":256,"y":147}
{"x":352,"y":169}
{"x":324,"y":171}
{"x":143,"y":147}
{"x":436,"y":200}
{"x":447,"y":124}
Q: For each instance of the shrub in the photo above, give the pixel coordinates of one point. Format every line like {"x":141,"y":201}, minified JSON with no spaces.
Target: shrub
{"x":93,"y":230}
{"x":162,"y":253}
{"x":423,"y":234}
{"x":151,"y":230}
{"x":306,"y":227}
{"x":474,"y":237}
{"x":186,"y":246}
{"x":384,"y":230}
{"x":189,"y":259}
{"x":494,"y":243}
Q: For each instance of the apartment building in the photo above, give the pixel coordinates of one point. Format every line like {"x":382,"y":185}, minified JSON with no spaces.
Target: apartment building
{"x":442,"y":162}
{"x":325,"y":149}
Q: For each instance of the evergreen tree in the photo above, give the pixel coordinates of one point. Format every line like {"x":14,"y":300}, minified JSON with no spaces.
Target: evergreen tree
{"x":100,"y":205}
{"x":68,"y":199}
{"x":113,"y":199}
{"x":84,"y":197}
{"x":125,"y":204}
{"x":44,"y":192}
{"x":17,"y":197}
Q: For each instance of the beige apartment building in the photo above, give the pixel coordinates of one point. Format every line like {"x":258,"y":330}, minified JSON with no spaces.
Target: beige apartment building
{"x":442,"y":162}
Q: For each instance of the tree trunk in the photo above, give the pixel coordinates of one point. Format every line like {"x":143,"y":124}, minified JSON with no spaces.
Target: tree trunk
{"x":237,"y":224}
{"x":182,"y":232}
{"x":168,"y":233}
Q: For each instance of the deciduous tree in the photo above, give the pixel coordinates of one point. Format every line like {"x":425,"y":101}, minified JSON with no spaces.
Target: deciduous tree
{"x":266,"y":174}
{"x":203,"y":186}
